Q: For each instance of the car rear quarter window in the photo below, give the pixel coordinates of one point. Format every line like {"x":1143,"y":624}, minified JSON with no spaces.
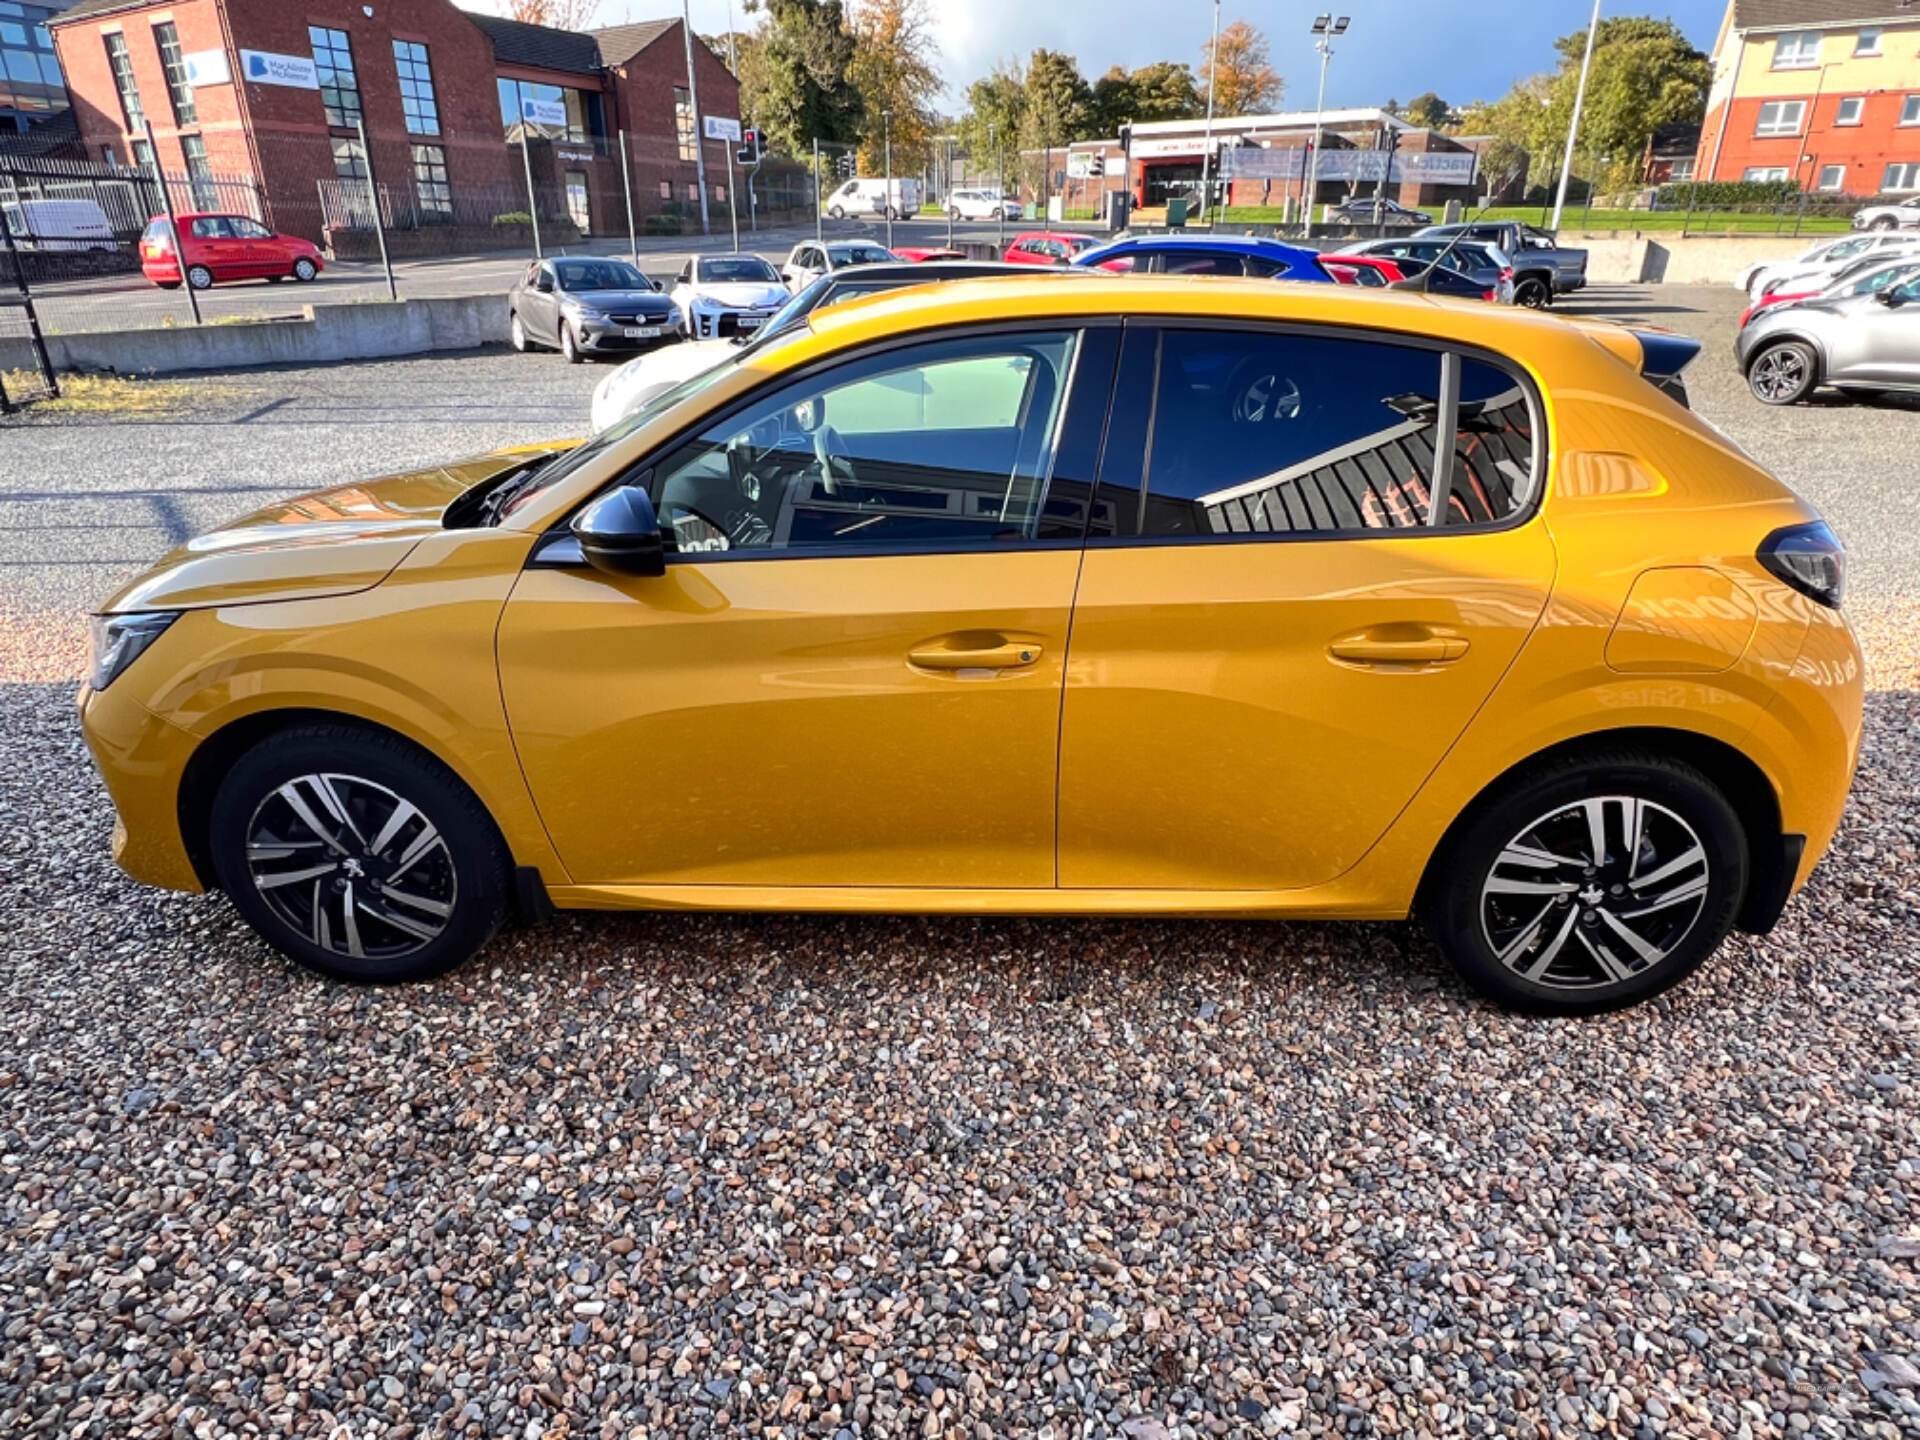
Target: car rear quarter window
{"x":1270,"y":433}
{"x":1180,"y":262}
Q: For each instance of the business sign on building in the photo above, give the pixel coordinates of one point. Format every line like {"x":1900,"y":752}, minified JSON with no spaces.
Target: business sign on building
{"x":718,"y":127}
{"x":207,"y":67}
{"x":262,"y":67}
{"x":1193,"y":145}
{"x":543,"y":112}
{"x":1438,"y":167}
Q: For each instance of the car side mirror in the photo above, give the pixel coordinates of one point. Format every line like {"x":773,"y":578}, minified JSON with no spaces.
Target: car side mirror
{"x":544,"y":285}
{"x":620,"y":534}
{"x":1888,"y":298}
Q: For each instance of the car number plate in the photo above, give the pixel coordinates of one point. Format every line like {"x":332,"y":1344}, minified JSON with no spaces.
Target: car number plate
{"x":751,"y":322}
{"x":642,"y":332}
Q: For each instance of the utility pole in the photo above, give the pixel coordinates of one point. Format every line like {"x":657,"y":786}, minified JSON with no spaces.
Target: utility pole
{"x":949,"y":196}
{"x":1325,"y":27}
{"x":699,"y":140}
{"x":1573,"y":126}
{"x":173,"y":224}
{"x":526,"y":160}
{"x":1213,"y":83}
{"x":373,"y":200}
{"x":817,"y":206}
{"x":626,"y":184}
{"x":999,"y":184}
{"x":886,"y":131}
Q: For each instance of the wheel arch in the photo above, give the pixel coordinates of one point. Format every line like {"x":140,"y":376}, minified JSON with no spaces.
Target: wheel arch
{"x":1784,"y":336}
{"x":1773,"y":856}
{"x":217,"y":754}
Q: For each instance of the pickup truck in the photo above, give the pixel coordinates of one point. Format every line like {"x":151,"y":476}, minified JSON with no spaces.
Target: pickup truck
{"x":1542,"y":269}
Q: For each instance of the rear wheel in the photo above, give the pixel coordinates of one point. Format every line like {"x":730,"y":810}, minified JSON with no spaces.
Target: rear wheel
{"x":303,"y":269}
{"x":836,"y":212}
{"x":1534,"y":293}
{"x":200,"y":277}
{"x":1590,"y":883}
{"x":358,"y":855}
{"x":1784,"y":374}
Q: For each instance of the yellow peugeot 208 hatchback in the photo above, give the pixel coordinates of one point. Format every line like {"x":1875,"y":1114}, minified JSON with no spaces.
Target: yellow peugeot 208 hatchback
{"x":1152,"y":596}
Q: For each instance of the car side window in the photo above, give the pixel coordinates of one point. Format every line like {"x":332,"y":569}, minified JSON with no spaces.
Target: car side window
{"x":247,"y":229}
{"x":1263,"y":269}
{"x":1256,"y":432}
{"x":209,"y":227}
{"x":940,"y":445}
{"x":1176,"y":263}
{"x":686,"y":273}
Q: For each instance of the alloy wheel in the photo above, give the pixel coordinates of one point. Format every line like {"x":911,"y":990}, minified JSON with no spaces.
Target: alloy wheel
{"x":354,"y":867}
{"x":1597,"y":892}
{"x":1779,"y":374}
{"x":303,"y":270}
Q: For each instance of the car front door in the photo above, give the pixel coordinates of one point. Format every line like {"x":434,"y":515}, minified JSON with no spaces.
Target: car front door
{"x":849,"y":675}
{"x":1273,"y":646}
{"x":212,"y":245}
{"x":1879,"y":341}
{"x":543,"y":302}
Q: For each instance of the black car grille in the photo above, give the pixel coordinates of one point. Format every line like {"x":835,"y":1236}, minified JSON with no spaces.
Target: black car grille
{"x":619,"y":317}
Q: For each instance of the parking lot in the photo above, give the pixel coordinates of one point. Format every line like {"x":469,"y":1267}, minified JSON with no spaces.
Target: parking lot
{"x":675,"y":1176}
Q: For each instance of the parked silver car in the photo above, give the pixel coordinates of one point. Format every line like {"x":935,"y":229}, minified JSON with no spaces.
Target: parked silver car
{"x":1896,"y":215}
{"x":1856,"y":342}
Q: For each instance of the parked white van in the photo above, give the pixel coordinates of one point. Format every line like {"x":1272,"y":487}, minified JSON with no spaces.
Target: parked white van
{"x":896,"y":198}
{"x":58,"y":225}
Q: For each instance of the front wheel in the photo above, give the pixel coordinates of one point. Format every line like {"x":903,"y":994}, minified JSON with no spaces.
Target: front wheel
{"x":1590,"y":883}
{"x":517,"y":333}
{"x":569,"y":347}
{"x":303,"y":270}
{"x":357,"y":855}
{"x":199,"y":277}
{"x":1783,"y":374}
{"x":837,"y":213}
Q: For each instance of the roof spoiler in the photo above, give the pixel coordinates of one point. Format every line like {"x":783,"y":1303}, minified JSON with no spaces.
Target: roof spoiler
{"x":1663,"y":355}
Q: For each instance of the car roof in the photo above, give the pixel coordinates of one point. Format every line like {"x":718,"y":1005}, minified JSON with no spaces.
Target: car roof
{"x":1237,"y":244}
{"x":923,"y":272}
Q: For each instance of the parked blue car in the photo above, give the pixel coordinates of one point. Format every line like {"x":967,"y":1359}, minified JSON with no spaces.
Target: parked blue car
{"x":1206,"y":255}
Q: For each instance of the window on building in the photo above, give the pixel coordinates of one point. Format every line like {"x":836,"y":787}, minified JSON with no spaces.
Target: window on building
{"x":1910,"y":110}
{"x":122,"y":64}
{"x":430,"y":180}
{"x":199,"y":172}
{"x":167,"y":40}
{"x":1797,"y":50}
{"x":31,"y":88}
{"x":349,"y":160}
{"x":1833,"y":179}
{"x":575,"y":184}
{"x":1780,"y":117}
{"x":1899,"y":178}
{"x":683,"y":122}
{"x":1867,"y":42}
{"x":1764,"y":172}
{"x":416,"y":88}
{"x":1683,"y":168}
{"x":339,"y":84}
{"x":1847,"y":112}
{"x":550,"y":112}
{"x":143,"y":156}
{"x":666,"y":190}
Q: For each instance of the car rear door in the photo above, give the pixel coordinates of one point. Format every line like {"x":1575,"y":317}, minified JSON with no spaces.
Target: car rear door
{"x":1273,"y":645}
{"x":850,"y":673}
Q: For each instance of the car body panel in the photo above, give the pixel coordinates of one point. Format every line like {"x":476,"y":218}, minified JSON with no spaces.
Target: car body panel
{"x":1046,"y":247}
{"x":1167,"y":253}
{"x":1634,"y":482}
{"x":1900,"y":215}
{"x":228,"y":255}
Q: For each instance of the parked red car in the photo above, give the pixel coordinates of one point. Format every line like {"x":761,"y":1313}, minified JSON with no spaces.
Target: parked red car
{"x":224,"y":247}
{"x":1374,"y":271}
{"x":921,"y":254}
{"x":1046,"y":247}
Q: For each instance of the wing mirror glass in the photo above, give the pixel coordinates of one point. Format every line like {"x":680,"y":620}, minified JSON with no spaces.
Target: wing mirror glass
{"x":544,"y":284}
{"x":620,"y":534}
{"x":1889,"y":298}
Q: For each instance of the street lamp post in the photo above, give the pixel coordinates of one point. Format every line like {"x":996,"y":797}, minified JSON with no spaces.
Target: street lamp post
{"x":999,"y":183}
{"x":886,"y":132}
{"x":1325,"y":27}
{"x":1213,"y":83}
{"x":1573,"y":125}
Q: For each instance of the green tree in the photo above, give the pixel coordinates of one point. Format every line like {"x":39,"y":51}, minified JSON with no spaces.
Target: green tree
{"x":893,"y":67}
{"x":996,"y":106}
{"x":1426,"y":109}
{"x":795,"y":74}
{"x":1058,"y":109}
{"x":1161,"y":91}
{"x":1242,"y":80}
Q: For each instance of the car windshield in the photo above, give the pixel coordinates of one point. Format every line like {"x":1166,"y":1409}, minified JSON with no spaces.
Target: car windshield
{"x":736,"y":268}
{"x":599,"y":275}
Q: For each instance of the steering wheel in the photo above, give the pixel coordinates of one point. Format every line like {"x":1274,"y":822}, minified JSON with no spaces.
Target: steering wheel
{"x":1263,"y":396}
{"x":835,"y":461}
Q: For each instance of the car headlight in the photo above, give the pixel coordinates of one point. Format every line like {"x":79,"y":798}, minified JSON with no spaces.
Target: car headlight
{"x":119,"y":640}
{"x":586,"y":312}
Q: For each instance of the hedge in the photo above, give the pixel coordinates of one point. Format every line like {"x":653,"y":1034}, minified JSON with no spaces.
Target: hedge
{"x":1718,"y":194}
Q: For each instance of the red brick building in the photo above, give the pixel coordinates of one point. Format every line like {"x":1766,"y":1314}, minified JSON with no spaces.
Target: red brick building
{"x":457,"y":110}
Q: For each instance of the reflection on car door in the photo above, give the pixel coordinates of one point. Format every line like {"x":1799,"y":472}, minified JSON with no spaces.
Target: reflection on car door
{"x":850,"y":673}
{"x":1272,"y":647}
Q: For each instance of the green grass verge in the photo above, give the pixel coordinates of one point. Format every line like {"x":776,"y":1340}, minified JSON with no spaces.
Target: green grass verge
{"x":1577,"y":218}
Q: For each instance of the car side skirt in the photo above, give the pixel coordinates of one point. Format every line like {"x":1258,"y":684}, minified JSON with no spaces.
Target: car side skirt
{"x":1319,"y":902}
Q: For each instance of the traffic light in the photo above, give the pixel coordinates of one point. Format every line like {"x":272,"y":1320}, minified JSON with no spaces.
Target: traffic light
{"x":752,"y":145}
{"x":843,"y":165}
{"x":1096,"y":166}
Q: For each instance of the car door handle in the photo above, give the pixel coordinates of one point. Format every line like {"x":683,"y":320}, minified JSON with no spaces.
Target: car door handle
{"x":1006,"y":655}
{"x":1398,"y":645}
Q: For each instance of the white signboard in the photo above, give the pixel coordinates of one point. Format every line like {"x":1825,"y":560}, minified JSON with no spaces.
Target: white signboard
{"x":262,"y":67}
{"x":543,"y":112}
{"x":718,"y":127}
{"x":208,"y":67}
{"x":1159,"y":149}
{"x":1079,"y":164}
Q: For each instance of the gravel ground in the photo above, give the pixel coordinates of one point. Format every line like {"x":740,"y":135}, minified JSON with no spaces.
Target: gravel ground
{"x":672,"y":1176}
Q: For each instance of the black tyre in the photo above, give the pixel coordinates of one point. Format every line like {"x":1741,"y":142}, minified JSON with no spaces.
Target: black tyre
{"x":199,"y":277}
{"x":1534,"y":293}
{"x":1885,"y":222}
{"x":358,"y":855}
{"x":1783,"y":374}
{"x":1589,"y":883}
{"x":836,"y":212}
{"x":303,"y":270}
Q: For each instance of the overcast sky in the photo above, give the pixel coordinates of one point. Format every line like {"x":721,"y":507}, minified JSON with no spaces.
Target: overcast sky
{"x":1394,"y":50}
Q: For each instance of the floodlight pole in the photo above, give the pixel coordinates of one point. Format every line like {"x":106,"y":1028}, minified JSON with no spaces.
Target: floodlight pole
{"x":1000,"y":184}
{"x":1573,"y":125}
{"x":699,"y":138}
{"x":1213,"y":84}
{"x":886,"y":185}
{"x":1325,"y":27}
